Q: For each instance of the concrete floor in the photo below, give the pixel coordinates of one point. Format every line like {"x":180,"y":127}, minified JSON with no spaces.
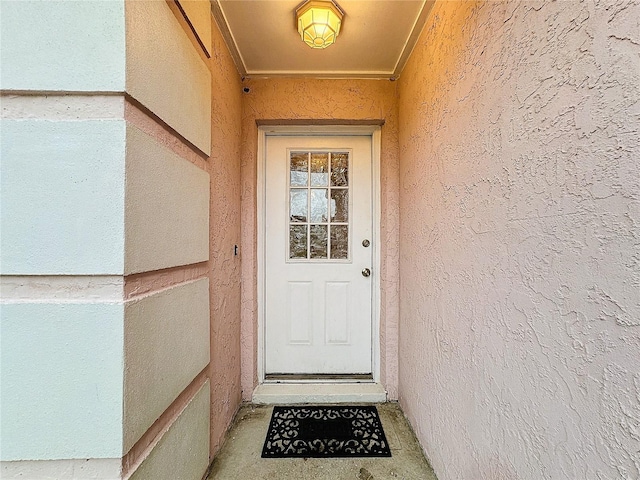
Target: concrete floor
{"x":240,"y":458}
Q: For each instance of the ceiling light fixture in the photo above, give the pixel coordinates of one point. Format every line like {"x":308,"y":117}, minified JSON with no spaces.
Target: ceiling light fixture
{"x":319,"y":22}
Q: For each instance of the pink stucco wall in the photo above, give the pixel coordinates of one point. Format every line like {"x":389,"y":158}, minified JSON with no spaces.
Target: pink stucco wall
{"x":520,"y":225}
{"x":224,"y":168}
{"x":282,"y":98}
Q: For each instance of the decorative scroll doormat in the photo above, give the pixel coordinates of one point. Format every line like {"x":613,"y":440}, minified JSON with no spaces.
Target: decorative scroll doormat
{"x":335,"y":431}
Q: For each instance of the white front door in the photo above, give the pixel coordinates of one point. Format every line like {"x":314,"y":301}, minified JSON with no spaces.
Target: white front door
{"x":318,"y":255}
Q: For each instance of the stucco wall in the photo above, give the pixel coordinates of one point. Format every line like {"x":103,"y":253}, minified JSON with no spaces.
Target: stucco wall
{"x":520,"y":231}
{"x":224,"y":167}
{"x":156,"y":77}
{"x":36,"y":57}
{"x":62,"y":246}
{"x":105,"y":320}
{"x":286,"y":98}
{"x":223,"y":267}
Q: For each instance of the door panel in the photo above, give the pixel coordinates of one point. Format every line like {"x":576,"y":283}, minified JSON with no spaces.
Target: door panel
{"x":318,"y":211}
{"x":337,"y":313}
{"x":299,"y":302}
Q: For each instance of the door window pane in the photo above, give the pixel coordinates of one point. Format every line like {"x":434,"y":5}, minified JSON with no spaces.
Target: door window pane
{"x":299,"y":169}
{"x":298,"y":241}
{"x":298,"y":205}
{"x":339,"y":169}
{"x":339,"y":205}
{"x":319,"y":169}
{"x":319,"y":204}
{"x":318,"y":241}
{"x":339,"y":241}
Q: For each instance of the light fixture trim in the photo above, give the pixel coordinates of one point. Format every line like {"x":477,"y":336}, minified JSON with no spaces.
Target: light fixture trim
{"x":319,"y":22}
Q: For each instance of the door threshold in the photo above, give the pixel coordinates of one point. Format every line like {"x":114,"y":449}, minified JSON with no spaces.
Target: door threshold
{"x":318,"y":378}
{"x":295,"y":393}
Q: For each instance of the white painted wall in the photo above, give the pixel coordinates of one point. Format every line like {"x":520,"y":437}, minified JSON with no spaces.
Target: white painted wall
{"x":520,"y":233}
{"x":62,"y":237}
{"x":62,"y":46}
{"x":61,"y":379}
{"x":62,"y":196}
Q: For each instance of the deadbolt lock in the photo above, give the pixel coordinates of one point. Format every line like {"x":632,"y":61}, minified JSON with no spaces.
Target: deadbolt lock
{"x":366,"y":243}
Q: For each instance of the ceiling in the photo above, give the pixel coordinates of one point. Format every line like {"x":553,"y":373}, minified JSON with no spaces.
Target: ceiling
{"x":375,"y":41}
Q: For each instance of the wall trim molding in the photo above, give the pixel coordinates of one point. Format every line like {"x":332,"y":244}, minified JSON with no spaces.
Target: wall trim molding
{"x":94,"y":468}
{"x":146,"y":283}
{"x":43,"y":106}
{"x":61,"y":289}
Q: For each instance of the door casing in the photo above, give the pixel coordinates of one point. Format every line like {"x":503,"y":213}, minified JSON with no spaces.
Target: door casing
{"x":372,"y":131}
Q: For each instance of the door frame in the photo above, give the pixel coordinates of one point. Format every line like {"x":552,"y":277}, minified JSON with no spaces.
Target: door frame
{"x":370,"y":130}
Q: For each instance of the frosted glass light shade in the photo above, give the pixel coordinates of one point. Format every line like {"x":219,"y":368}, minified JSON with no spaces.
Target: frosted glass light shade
{"x":319,"y":22}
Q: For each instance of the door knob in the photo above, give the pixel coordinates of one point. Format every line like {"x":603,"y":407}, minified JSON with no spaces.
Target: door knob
{"x":366,"y":272}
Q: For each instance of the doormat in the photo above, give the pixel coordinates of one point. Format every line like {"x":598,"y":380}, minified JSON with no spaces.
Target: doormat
{"x":336,"y":431}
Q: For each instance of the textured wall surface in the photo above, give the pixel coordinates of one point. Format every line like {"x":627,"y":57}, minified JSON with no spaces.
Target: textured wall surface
{"x":35,"y":56}
{"x":54,"y":230}
{"x":61,"y":380}
{"x":322,"y":99}
{"x":165,"y":347}
{"x":199,"y":14}
{"x":106,"y":241}
{"x":171,"y":79}
{"x":224,"y":168}
{"x":181,"y":452}
{"x":62,"y":202}
{"x":166,"y":207}
{"x":520,"y":233}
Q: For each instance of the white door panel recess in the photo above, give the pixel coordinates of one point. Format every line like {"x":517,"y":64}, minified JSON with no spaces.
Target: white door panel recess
{"x":318,"y":255}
